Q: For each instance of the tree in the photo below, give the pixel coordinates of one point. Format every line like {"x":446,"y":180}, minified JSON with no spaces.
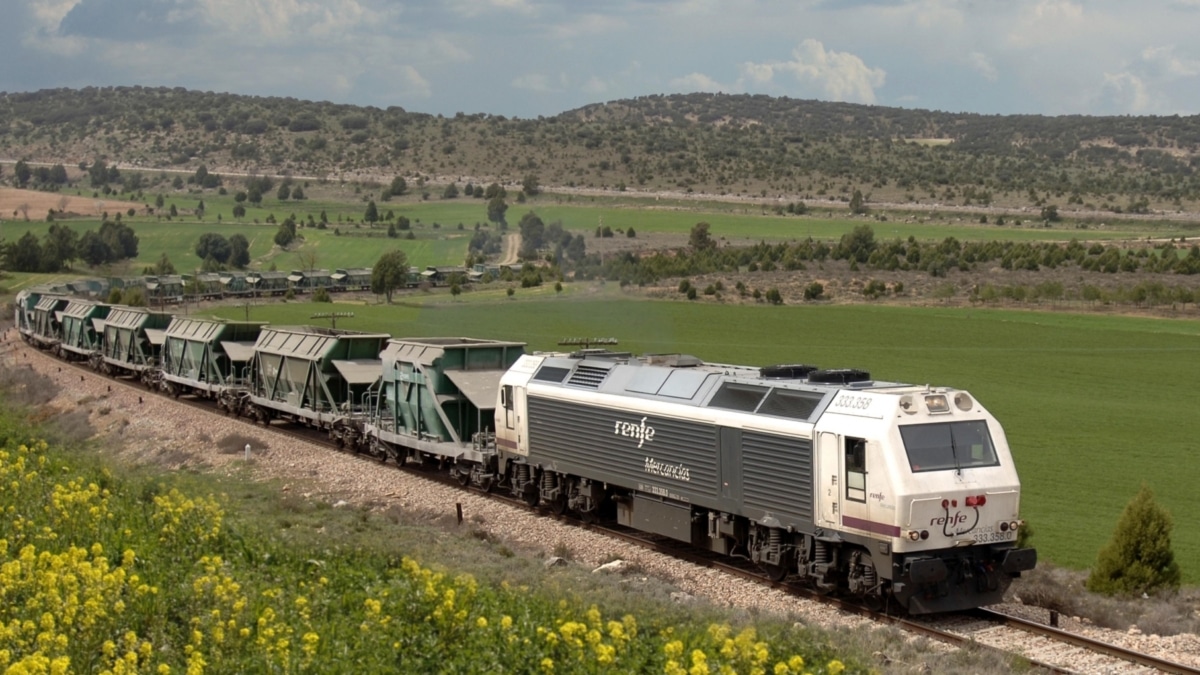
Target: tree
{"x":1138,"y":559}
{"x":98,"y":174}
{"x":286,"y":233}
{"x":285,"y":191}
{"x":496,"y":209}
{"x":389,"y":273}
{"x":455,"y":289}
{"x":25,"y":255}
{"x":239,"y":251}
{"x":22,"y":173}
{"x":239,"y":211}
{"x":93,"y":250}
{"x":372,"y":214}
{"x":451,"y":191}
{"x":533,"y":234}
{"x":700,"y":239}
{"x":856,"y":245}
{"x":857,"y":205}
{"x":495,"y":190}
{"x":163,"y":266}
{"x":58,"y":248}
{"x":214,"y":245}
{"x":530,"y":185}
{"x":813,"y":291}
{"x":121,"y":240}
{"x":58,"y":174}
{"x":298,"y":193}
{"x":254,"y":195}
{"x":399,"y":186}
{"x":200,"y":209}
{"x":1050,"y":213}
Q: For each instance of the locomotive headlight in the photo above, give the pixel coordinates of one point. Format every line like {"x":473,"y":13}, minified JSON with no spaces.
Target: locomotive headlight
{"x":1004,"y":527}
{"x":937,"y":403}
{"x":914,"y":535}
{"x":962,"y":401}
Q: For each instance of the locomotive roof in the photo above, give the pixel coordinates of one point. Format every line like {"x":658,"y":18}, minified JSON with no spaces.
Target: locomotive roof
{"x":686,"y":380}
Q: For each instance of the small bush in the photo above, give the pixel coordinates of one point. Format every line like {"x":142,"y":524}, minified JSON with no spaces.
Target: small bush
{"x":1138,"y":559}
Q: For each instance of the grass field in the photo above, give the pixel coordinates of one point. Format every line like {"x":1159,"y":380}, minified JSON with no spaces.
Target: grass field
{"x":1093,"y":406}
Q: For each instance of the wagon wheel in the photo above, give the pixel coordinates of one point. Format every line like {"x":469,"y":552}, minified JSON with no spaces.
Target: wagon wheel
{"x":558,"y":505}
{"x":487,"y":483}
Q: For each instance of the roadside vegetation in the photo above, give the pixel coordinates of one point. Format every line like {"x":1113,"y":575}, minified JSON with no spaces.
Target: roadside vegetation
{"x":108,"y":570}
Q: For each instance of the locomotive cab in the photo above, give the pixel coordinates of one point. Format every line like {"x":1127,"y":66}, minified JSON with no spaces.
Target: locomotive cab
{"x":923,"y":481}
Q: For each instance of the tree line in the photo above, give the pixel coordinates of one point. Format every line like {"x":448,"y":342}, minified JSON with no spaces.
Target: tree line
{"x":61,"y":246}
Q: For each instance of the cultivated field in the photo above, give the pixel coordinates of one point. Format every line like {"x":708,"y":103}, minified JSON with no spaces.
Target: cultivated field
{"x":18,"y":204}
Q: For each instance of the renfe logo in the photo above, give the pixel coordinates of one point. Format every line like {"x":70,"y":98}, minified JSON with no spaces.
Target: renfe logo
{"x":957,"y":519}
{"x":630,"y":430}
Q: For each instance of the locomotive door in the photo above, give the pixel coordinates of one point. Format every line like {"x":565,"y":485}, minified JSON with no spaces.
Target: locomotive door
{"x":829,"y":485}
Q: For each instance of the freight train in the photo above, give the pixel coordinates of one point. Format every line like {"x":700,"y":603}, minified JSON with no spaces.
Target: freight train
{"x":898,"y":495}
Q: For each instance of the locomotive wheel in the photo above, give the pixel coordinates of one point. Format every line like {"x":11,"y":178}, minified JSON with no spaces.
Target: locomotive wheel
{"x":558,"y":505}
{"x":463,"y":477}
{"x":776,"y":573}
{"x":589,"y":517}
{"x":530,"y":494}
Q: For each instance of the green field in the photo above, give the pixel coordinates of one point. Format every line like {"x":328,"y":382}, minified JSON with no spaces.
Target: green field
{"x":1093,"y":406}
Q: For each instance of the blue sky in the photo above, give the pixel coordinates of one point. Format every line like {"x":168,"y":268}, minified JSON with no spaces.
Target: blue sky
{"x":527,"y":58}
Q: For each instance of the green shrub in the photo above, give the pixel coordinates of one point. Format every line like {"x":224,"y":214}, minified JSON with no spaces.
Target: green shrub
{"x":1138,"y":558}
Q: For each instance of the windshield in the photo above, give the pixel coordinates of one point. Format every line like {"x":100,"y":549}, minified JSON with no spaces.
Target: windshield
{"x":948,"y":445}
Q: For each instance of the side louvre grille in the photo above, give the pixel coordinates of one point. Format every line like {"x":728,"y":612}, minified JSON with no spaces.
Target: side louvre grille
{"x":588,"y":376}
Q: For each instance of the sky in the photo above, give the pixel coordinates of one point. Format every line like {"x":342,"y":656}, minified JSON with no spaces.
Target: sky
{"x":525,"y":58}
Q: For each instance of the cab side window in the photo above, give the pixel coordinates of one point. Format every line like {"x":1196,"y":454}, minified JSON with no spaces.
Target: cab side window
{"x":856,"y":469}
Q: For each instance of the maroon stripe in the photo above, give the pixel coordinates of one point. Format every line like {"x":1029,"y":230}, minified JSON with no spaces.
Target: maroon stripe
{"x":504,"y":442}
{"x":871,"y":526}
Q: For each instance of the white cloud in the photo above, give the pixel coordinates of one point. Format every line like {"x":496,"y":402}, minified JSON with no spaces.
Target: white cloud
{"x":473,"y":8}
{"x":532,"y":82}
{"x":284,"y":20}
{"x":841,"y":76}
{"x":1047,"y":22}
{"x":983,"y":65}
{"x":587,"y":25}
{"x":1172,"y":66}
{"x":594,"y":86}
{"x":1127,"y":92}
{"x":696,"y":82}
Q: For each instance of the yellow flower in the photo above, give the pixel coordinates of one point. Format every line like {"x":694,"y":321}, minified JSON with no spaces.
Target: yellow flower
{"x":506,"y":622}
{"x":481,"y":622}
{"x":835,"y":667}
{"x":548,"y":665}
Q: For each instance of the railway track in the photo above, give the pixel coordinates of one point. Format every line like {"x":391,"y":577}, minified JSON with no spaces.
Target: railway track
{"x":1069,"y":652}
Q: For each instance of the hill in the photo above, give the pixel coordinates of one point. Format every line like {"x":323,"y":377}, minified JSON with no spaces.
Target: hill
{"x":752,"y":146}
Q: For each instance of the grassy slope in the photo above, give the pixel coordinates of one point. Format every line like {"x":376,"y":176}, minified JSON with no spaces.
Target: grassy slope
{"x":1093,"y":406}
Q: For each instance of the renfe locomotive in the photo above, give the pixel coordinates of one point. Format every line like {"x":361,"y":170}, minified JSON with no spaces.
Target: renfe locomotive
{"x":891,"y":493}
